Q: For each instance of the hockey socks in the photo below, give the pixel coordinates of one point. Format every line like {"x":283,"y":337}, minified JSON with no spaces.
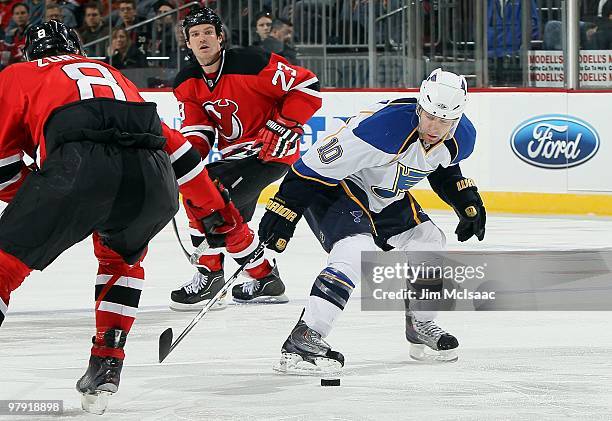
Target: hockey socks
{"x":328,"y":297}
{"x":117,"y":294}
{"x":12,"y":273}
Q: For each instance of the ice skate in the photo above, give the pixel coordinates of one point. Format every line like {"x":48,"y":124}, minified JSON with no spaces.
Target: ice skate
{"x":195,"y":294}
{"x":269,"y":289}
{"x":428,"y":342}
{"x":102,"y":376}
{"x":304,"y":353}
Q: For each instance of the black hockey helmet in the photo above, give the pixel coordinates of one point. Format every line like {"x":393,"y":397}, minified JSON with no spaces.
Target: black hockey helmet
{"x":202,"y":16}
{"x":50,"y":38}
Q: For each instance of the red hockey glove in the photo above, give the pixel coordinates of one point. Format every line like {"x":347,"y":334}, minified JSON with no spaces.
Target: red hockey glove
{"x":280,"y":138}
{"x":218,"y":224}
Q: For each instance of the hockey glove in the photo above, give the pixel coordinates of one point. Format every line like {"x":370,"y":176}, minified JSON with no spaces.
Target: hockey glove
{"x":278,"y":223}
{"x":463,"y":196}
{"x":218,"y":224}
{"x":280,"y":138}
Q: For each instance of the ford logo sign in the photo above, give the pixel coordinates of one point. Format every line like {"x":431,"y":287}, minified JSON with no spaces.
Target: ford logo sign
{"x":555,"y":141}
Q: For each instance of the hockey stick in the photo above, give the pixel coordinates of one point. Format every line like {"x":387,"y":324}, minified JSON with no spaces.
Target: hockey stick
{"x":165,"y":339}
{"x":197,"y":253}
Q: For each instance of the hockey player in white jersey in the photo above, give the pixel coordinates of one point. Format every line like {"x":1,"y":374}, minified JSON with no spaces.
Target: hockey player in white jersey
{"x":353,"y":189}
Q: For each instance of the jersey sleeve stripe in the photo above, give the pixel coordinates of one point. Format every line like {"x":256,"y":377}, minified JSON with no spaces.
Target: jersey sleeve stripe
{"x":180,"y":152}
{"x":13,"y":180}
{"x":186,"y":163}
{"x":205,"y":136}
{"x":303,"y":171}
{"x":307,"y":83}
{"x":191,"y":174}
{"x":311,"y":92}
{"x":11,"y":159}
{"x":310,"y":87}
{"x":185,"y":129}
{"x":8,"y":171}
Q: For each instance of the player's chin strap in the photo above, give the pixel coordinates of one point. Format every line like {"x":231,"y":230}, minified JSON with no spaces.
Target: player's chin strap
{"x":197,"y":253}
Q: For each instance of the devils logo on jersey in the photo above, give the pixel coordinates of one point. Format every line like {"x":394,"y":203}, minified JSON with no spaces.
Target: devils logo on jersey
{"x":224,"y":113}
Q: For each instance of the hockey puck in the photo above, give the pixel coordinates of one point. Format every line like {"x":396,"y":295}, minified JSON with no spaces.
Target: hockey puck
{"x":330,"y":382}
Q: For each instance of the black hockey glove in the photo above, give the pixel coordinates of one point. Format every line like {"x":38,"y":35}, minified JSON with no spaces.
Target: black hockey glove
{"x":465,"y":200}
{"x":218,"y":224}
{"x":278,"y":223}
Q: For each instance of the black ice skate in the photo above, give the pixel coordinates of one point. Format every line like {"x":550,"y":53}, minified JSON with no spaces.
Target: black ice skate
{"x":305,"y":353}
{"x":269,"y":289}
{"x":428,"y":342}
{"x":195,"y":294}
{"x":102,"y":376}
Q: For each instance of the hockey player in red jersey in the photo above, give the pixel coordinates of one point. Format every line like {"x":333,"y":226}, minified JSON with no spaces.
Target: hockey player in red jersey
{"x":255,"y":104}
{"x":108,"y":166}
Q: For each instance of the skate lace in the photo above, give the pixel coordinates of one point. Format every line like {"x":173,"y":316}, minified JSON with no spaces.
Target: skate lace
{"x":429,"y":328}
{"x":250,"y":287}
{"x":197,"y":283}
{"x":315,"y":338}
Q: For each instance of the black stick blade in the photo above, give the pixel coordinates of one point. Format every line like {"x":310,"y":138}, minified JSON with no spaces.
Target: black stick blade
{"x":165,"y":342}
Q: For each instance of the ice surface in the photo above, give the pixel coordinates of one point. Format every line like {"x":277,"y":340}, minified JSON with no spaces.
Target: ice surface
{"x":513,"y":365}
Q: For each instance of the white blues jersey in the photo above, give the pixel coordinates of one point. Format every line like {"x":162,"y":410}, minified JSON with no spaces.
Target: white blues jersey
{"x":380,"y":152}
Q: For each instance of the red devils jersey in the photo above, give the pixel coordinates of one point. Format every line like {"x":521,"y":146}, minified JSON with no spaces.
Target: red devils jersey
{"x":30,"y":92}
{"x":251,"y":87}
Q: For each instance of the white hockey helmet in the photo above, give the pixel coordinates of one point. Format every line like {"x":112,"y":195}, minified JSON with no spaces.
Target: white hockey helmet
{"x":443,"y":94}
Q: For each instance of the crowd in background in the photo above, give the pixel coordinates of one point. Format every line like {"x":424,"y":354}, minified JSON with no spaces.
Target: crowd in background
{"x":107,"y":28}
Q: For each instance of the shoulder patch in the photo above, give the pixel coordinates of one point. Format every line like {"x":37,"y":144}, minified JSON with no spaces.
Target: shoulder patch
{"x":245,"y":61}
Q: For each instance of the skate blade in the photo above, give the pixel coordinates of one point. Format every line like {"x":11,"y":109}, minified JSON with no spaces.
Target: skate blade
{"x":423,"y":353}
{"x":265,"y":299}
{"x":293,"y":364}
{"x":95,"y":403}
{"x":219,"y":305}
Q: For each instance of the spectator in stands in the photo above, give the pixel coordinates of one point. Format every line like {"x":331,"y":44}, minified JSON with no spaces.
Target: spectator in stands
{"x":146,"y":9}
{"x":263,"y":25}
{"x":592,"y":32}
{"x":122,"y":54}
{"x":280,"y":40}
{"x":53,"y":12}
{"x":184,"y":54}
{"x":163,"y":41}
{"x":93,"y":28}
{"x":60,"y":13}
{"x":504,"y":34}
{"x":37,"y":11}
{"x":5,"y":15}
{"x":602,"y":37}
{"x":15,"y":38}
{"x":127,"y":13}
{"x":21,"y":17}
{"x":307,"y":18}
{"x":139,"y":37}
